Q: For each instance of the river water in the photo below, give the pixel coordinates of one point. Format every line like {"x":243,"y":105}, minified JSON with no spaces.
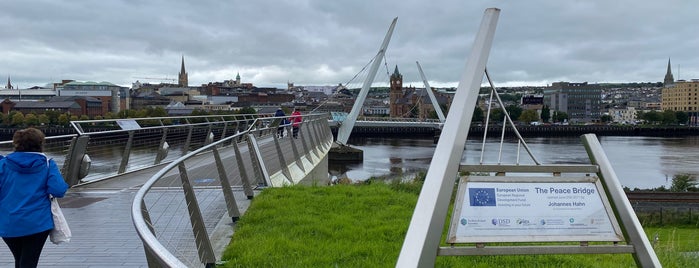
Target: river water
{"x":639,"y":162}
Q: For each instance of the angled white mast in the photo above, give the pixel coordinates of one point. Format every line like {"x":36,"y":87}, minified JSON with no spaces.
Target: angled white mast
{"x":438,"y":109}
{"x":422,"y":239}
{"x":346,"y":128}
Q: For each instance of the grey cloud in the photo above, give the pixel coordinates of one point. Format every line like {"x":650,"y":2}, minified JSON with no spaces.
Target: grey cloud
{"x":316,"y":42}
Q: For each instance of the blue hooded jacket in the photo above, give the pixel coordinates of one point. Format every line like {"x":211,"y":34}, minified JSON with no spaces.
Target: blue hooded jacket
{"x":26,"y":180}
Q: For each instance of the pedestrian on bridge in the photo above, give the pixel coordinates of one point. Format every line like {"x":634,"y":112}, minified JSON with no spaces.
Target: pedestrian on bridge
{"x":296,"y":123}
{"x":282,"y":122}
{"x":27,"y":178}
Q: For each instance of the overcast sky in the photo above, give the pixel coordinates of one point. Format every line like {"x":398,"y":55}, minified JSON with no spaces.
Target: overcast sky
{"x":323,"y":42}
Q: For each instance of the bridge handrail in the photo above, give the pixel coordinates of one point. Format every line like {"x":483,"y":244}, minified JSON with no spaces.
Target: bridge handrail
{"x":163,"y":122}
{"x":139,"y":211}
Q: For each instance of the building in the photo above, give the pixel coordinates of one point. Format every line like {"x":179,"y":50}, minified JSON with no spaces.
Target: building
{"x":183,"y":77}
{"x":532,"y":102}
{"x":581,"y":101}
{"x":396,"y":94}
{"x":669,"y":79}
{"x":9,"y":84}
{"x":683,"y":96}
{"x":412,"y":102}
{"x":106,"y":92}
{"x":74,"y":105}
{"x":623,"y":116}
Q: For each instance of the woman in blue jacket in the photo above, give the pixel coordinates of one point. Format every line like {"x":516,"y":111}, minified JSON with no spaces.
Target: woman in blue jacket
{"x":27,"y":177}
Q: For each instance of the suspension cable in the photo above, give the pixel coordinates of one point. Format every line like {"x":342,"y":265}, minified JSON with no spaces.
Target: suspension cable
{"x":508,"y":119}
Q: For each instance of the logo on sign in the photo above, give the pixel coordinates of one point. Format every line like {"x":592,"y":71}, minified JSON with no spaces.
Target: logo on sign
{"x":482,"y":197}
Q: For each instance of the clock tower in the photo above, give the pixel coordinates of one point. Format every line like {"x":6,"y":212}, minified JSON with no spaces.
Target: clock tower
{"x":396,"y":93}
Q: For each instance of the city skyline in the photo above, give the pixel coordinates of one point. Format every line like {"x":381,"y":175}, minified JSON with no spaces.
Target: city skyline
{"x":326,"y":43}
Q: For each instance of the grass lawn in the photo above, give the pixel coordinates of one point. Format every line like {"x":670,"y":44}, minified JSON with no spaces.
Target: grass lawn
{"x":364,"y":226}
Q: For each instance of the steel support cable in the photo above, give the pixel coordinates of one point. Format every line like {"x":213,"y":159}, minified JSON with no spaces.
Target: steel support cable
{"x":487,"y":121}
{"x":348,"y":82}
{"x":507,"y":117}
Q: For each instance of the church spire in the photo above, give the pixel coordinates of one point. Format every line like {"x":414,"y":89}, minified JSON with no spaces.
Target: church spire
{"x":183,"y":77}
{"x":669,"y":79}
{"x":9,"y":84}
{"x":397,"y":74}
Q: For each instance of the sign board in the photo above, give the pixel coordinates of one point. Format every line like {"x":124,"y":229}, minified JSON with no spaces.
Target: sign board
{"x":128,"y":124}
{"x":531,"y":209}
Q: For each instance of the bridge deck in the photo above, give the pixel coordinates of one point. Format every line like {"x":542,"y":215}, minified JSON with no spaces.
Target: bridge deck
{"x":99,"y":215}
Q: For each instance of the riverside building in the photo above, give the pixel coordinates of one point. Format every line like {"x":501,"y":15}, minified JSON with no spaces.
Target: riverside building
{"x":581,"y":101}
{"x":683,"y":96}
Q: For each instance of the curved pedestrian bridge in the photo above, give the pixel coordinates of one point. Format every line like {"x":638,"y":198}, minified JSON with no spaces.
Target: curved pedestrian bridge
{"x":181,"y":182}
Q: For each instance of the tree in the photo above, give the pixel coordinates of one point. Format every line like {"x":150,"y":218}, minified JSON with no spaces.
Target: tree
{"x":682,"y":117}
{"x":652,"y":117}
{"x":560,"y":116}
{"x":247,"y":110}
{"x":514,"y":111}
{"x":31,"y":119}
{"x":477,"y":115}
{"x":683,"y":183}
{"x":17,"y":119}
{"x":669,"y":117}
{"x":496,"y":115}
{"x":44,"y":119}
{"x":64,"y":119}
{"x":529,"y":116}
{"x":606,"y":118}
{"x":53,"y":116}
{"x":545,"y":113}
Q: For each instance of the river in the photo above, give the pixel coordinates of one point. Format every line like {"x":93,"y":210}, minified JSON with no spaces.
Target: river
{"x":639,"y":162}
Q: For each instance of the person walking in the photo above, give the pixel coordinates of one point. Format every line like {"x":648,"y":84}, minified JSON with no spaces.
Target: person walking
{"x":27,"y":178}
{"x":282,"y":122}
{"x":296,"y":123}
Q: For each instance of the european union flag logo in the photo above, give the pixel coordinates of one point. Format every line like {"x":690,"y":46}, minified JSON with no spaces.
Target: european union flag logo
{"x":482,"y":197}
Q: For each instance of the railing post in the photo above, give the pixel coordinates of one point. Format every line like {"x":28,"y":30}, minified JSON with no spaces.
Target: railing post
{"x":71,"y":167}
{"x":247,"y":188}
{"x":127,"y":153}
{"x":297,"y":156}
{"x":150,"y":258}
{"x":282,"y":160}
{"x":201,"y":237}
{"x":223,"y":132}
{"x":303,"y":141}
{"x":162,"y":151}
{"x":317,"y":139}
{"x":209,"y":135}
{"x":256,"y":156}
{"x":231,"y":204}
{"x":185,"y":149}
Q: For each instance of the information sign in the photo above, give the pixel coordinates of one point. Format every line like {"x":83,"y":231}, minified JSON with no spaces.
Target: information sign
{"x":128,"y":124}
{"x":531,"y":209}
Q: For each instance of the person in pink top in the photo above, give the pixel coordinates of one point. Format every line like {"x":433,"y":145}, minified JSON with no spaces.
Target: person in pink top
{"x":296,"y":123}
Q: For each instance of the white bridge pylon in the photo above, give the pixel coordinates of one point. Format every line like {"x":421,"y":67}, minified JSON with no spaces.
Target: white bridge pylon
{"x":346,"y":128}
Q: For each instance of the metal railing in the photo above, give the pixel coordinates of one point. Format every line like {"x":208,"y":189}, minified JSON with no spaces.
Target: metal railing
{"x":176,"y":211}
{"x":55,"y":147}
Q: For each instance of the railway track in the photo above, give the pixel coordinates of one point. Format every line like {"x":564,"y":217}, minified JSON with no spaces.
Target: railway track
{"x":666,"y":197}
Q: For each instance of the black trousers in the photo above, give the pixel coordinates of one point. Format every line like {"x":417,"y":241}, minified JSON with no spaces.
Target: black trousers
{"x":27,"y":249}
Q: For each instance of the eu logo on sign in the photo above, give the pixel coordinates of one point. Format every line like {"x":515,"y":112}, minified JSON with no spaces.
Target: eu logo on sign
{"x":482,"y":197}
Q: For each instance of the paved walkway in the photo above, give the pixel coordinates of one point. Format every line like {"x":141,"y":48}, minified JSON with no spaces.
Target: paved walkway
{"x":99,"y":216}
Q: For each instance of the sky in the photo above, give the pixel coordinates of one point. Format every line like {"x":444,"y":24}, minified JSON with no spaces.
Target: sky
{"x":321,"y":42}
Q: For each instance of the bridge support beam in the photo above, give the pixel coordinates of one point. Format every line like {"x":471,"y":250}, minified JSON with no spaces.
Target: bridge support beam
{"x":425,"y":230}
